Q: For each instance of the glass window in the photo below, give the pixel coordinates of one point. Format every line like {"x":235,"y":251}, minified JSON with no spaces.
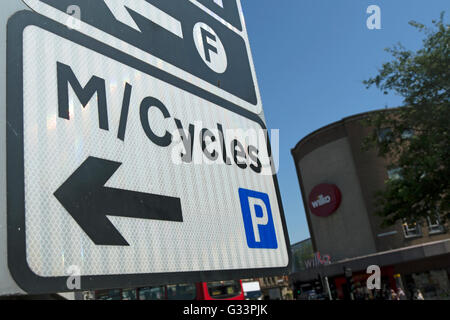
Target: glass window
{"x":434,"y":224}
{"x":411,"y":229}
{"x":384,"y":134}
{"x":129,"y":294}
{"x":181,"y":292}
{"x":253,"y":295}
{"x":395,"y":173}
{"x":224,"y":289}
{"x":151,"y":293}
{"x":407,"y":134}
{"x":114,"y":294}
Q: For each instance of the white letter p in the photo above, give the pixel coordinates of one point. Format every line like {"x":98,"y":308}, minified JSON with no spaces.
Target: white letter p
{"x":258,"y":221}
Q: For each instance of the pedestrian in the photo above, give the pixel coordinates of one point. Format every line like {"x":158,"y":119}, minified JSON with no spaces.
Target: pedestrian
{"x":378,"y":294}
{"x":418,"y":295}
{"x":401,"y":294}
{"x":386,"y":294}
{"x":394,"y":296}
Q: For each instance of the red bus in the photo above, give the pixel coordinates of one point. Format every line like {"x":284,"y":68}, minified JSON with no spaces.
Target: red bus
{"x":218,"y":290}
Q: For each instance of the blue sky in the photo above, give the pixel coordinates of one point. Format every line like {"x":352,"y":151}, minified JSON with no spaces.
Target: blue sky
{"x":311,"y":57}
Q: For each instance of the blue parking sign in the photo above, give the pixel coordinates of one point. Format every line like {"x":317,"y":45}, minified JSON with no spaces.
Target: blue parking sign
{"x":258,"y":221}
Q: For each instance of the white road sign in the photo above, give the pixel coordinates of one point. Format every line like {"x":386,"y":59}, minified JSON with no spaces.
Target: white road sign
{"x":127,"y":173}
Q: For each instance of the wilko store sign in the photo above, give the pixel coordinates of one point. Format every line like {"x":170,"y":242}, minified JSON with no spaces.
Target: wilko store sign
{"x":318,"y":260}
{"x":324,"y":199}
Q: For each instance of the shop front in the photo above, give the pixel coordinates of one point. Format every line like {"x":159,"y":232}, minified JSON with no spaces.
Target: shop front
{"x":422,"y":268}
{"x":358,"y":285}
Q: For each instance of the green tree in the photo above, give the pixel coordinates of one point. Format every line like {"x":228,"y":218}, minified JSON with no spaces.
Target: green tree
{"x":305,"y":252}
{"x":414,"y":138}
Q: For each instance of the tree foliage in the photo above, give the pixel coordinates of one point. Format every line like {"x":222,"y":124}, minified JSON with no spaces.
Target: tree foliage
{"x":416,"y":135}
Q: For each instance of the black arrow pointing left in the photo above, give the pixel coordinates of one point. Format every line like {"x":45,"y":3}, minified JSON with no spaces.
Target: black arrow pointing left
{"x":89,"y":202}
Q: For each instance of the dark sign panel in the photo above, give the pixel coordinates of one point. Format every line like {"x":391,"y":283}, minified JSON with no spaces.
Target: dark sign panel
{"x":226,"y":9}
{"x":168,"y":30}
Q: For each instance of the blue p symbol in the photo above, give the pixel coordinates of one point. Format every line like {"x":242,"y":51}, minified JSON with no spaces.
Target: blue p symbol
{"x":258,"y":220}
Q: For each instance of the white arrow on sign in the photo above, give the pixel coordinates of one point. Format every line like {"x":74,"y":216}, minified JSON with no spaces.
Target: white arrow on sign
{"x":119,"y":10}
{"x":219,"y":3}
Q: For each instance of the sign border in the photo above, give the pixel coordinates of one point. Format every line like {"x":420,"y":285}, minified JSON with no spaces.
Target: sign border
{"x":17,"y":261}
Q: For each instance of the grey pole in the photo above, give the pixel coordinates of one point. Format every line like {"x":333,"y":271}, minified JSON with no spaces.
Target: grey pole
{"x":327,"y":286}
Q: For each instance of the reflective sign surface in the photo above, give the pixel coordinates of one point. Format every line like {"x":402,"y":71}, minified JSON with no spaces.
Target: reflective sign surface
{"x":129,"y":174}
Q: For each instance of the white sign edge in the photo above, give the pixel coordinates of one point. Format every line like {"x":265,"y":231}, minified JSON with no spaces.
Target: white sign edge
{"x":7,"y":284}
